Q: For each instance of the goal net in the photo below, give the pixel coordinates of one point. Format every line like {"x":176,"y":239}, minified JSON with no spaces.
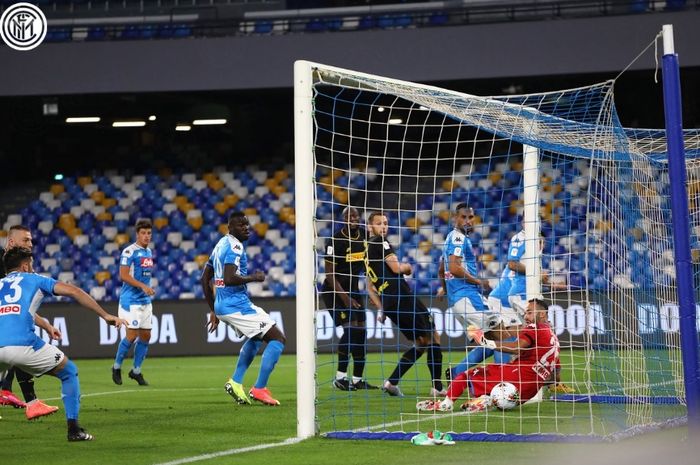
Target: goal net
{"x":558,"y":164}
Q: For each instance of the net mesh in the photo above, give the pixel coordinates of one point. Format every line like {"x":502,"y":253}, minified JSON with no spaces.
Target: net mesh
{"x":414,"y":152}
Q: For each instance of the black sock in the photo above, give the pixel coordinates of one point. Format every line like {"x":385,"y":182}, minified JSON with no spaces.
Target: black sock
{"x":343,"y":352}
{"x":73,"y":426}
{"x":407,"y":360}
{"x":358,"y":339}
{"x":435,"y":365}
{"x":7,"y":381}
{"x":26,"y":384}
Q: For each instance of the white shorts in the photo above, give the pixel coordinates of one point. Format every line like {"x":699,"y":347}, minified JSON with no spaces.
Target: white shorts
{"x":508,"y":316}
{"x":138,"y":316}
{"x":465,"y":312}
{"x":518,"y":304}
{"x":251,"y":325}
{"x":34,"y":362}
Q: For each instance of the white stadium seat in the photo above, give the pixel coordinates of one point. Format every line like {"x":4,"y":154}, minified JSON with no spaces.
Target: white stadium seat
{"x":169,"y":194}
{"x":46,"y":197}
{"x":46,"y":263}
{"x":187,"y":245}
{"x":81,"y":240}
{"x":66,"y":277}
{"x":199,"y":185}
{"x":51,"y":249}
{"x":110,"y":247}
{"x":175,"y":238}
{"x":45,"y":226}
{"x":98,"y":293}
{"x":189,"y":178}
{"x":106,"y":262}
{"x":109,"y":232}
{"x":168,"y":208}
{"x":90,"y":188}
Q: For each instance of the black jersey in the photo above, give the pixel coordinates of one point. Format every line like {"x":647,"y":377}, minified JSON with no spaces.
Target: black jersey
{"x":3,"y":272}
{"x":387,"y":283}
{"x":347,"y":253}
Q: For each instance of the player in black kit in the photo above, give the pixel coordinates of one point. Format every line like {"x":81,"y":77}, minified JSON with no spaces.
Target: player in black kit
{"x":399,"y":303}
{"x":345,"y":261}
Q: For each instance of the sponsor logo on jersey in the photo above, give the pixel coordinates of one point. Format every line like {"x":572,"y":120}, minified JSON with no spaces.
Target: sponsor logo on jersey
{"x":458,"y":239}
{"x":355,"y":257}
{"x":146,"y":262}
{"x":9,"y":310}
{"x":237,"y":248}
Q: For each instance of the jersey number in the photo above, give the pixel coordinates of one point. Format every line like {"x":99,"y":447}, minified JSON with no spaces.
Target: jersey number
{"x":15,"y":290}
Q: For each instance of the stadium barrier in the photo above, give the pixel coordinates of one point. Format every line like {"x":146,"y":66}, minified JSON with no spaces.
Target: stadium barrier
{"x":179,"y":326}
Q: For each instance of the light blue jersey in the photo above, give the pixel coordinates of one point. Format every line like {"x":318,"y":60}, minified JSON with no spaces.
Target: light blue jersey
{"x":20,"y":296}
{"x":140,"y":263}
{"x":501,"y":290}
{"x":459,"y":245}
{"x":230,"y":299}
{"x":516,"y":250}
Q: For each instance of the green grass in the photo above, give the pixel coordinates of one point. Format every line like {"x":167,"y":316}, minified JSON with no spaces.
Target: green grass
{"x":185,"y":413}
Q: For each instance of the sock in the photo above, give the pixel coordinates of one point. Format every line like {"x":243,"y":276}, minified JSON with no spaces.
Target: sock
{"x":341,"y":375}
{"x":70,"y":390}
{"x":407,"y":360}
{"x":344,"y":351}
{"x":501,"y":357}
{"x":26,"y":384}
{"x":7,"y":381}
{"x":140,"y":352}
{"x":245,"y":358}
{"x":358,"y":338}
{"x":435,"y":365}
{"x":474,"y":357}
{"x":269,"y":360}
{"x":122,"y":351}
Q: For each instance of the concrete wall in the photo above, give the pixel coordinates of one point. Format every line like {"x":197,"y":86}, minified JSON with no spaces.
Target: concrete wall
{"x":556,"y":47}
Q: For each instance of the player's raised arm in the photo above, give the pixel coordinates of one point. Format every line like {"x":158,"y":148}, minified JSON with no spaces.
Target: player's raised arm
{"x":84,"y":299}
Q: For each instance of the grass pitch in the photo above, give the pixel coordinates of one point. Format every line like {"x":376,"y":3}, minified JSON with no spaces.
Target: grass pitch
{"x":185,"y":416}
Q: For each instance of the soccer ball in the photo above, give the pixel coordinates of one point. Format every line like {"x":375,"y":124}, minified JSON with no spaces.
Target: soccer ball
{"x":505,"y":396}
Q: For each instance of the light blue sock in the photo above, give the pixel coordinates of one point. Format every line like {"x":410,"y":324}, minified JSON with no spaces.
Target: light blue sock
{"x":269,"y":360}
{"x":140,"y":352}
{"x":474,"y":357}
{"x":248,"y":352}
{"x":122,"y":352}
{"x":70,"y":390}
{"x":501,"y":357}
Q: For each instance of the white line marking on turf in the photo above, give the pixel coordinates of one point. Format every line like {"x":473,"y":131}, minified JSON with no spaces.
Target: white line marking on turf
{"x":224,"y":453}
{"x":129,"y":391}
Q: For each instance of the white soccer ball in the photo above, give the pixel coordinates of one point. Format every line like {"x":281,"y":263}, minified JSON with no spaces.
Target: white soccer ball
{"x":505,"y":396}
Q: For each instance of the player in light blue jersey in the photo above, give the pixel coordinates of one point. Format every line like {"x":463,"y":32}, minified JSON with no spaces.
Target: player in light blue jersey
{"x":227,"y":271}
{"x":135,"y":271}
{"x":21,"y":292}
{"x":464,"y":288}
{"x":517,"y":297}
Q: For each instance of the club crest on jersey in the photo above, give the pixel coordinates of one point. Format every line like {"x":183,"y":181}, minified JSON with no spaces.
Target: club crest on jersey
{"x":9,"y":310}
{"x":146,"y":262}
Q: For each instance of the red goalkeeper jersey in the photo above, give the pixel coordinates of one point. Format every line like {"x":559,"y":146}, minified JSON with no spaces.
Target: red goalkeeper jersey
{"x":534,"y":366}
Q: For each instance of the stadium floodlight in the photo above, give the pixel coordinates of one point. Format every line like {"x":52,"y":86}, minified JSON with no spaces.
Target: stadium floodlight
{"x":183,"y":127}
{"x":209,"y":122}
{"x":554,"y":163}
{"x":128,"y":124}
{"x":152,"y":118}
{"x":83,"y":119}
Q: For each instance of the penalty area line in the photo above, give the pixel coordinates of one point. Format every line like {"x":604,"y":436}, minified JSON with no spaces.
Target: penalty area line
{"x":224,"y":453}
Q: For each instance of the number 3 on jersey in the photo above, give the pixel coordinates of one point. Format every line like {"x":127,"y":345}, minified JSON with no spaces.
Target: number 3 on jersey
{"x":12,"y":293}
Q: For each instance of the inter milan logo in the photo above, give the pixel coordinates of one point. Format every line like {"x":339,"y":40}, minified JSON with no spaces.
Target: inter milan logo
{"x":23,"y":26}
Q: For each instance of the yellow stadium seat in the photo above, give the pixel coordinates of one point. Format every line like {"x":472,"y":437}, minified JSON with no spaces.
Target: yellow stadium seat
{"x":517,"y":166}
{"x":196,"y":222}
{"x":261,"y":228}
{"x":216,"y":185}
{"x":165,"y":172}
{"x":180,"y":200}
{"x":448,"y":185}
{"x":291,"y":219}
{"x":73,"y":232}
{"x":66,"y":221}
{"x":109,"y":202}
{"x":102,"y":276}
{"x":210,"y":177}
{"x":223,"y":229}
{"x":221,"y":208}
{"x":278,"y":190}
{"x":336,"y":173}
{"x":413,"y":223}
{"x":97,"y":196}
{"x":104,"y":216}
{"x":341,"y":195}
{"x":3,"y":233}
{"x":486,"y":258}
{"x":445,"y":215}
{"x":495,"y":177}
{"x":185,"y":207}
{"x":121,"y":239}
{"x":201,"y":260}
{"x":270,"y":183}
{"x":281,"y":175}
{"x":477,"y":220}
{"x":161,"y":222}
{"x":326,"y":182}
{"x":425,"y":246}
{"x":56,"y":189}
{"x":250,"y":211}
{"x":84,"y":181}
{"x":285,"y":212}
{"x":231,"y":200}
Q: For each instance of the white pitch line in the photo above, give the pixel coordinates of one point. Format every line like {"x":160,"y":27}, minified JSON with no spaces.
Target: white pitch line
{"x":224,"y":453}
{"x":129,"y":391}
